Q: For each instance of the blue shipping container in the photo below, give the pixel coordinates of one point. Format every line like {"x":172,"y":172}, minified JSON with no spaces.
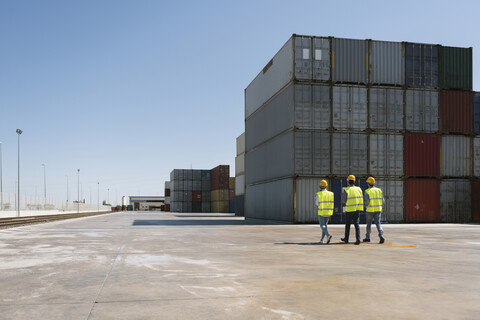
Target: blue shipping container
{"x":240,"y":205}
{"x":205,"y":174}
{"x":337,"y":187}
{"x":232,"y":206}
{"x":421,"y":65}
{"x":476,"y":112}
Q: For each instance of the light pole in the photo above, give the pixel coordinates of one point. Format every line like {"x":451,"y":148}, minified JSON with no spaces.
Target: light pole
{"x":98,"y":196}
{"x":78,"y":191}
{"x":44,"y":181}
{"x":19,"y":132}
{"x":1,"y":179}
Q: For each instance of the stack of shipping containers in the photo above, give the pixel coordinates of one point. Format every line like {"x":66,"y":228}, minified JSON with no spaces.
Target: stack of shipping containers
{"x":167,"y":196}
{"x":240,"y":176}
{"x":219,"y":186}
{"x":324,"y":108}
{"x":190,"y":190}
{"x":231,"y":195}
{"x":476,"y":157}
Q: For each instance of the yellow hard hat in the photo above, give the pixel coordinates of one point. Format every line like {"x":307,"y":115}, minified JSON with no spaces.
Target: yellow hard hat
{"x":351,"y":177}
{"x":323,"y":183}
{"x":371,"y":180}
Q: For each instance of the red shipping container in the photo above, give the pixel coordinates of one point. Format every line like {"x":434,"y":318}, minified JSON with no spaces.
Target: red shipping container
{"x":219,"y":177}
{"x":456,"y":111}
{"x":197,"y":196}
{"x":422,"y":200}
{"x":422,"y":155}
{"x":476,"y":201}
{"x":167,"y":208}
{"x":167,"y":192}
{"x":231,"y":194}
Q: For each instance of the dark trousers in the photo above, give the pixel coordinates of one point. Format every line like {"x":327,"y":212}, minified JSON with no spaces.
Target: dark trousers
{"x":352,"y":217}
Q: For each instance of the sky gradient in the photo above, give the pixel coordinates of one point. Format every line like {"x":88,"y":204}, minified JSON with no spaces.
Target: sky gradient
{"x":127,"y":91}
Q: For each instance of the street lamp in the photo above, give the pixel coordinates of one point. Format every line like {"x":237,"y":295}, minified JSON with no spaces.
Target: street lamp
{"x":19,"y":132}
{"x":78,"y":191}
{"x":44,"y":181}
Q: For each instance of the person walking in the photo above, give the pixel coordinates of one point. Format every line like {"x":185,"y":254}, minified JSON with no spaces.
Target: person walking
{"x":324,"y":203}
{"x":373,"y":200}
{"x":352,"y":199}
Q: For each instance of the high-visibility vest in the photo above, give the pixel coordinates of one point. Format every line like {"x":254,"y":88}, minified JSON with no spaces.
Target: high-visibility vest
{"x":354,"y":199}
{"x":325,"y":203}
{"x":376,"y":199}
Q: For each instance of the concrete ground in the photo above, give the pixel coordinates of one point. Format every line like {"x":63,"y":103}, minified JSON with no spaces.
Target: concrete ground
{"x":216,"y":266}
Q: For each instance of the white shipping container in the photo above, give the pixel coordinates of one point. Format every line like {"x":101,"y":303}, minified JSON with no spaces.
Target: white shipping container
{"x":455,"y":201}
{"x":167,"y":184}
{"x":349,"y":153}
{"x":393,"y":209}
{"x":386,"y":155}
{"x":349,"y":60}
{"x":349,"y":107}
{"x":271,"y":201}
{"x":456,"y":156}
{"x":241,"y":144}
{"x":386,"y":108}
{"x":421,"y":110}
{"x":240,"y":164}
{"x":240,"y":185}
{"x":386,"y":63}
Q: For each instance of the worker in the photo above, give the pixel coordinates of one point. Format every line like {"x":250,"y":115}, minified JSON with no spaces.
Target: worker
{"x":352,"y":199}
{"x":324,"y":203}
{"x":373,"y":200}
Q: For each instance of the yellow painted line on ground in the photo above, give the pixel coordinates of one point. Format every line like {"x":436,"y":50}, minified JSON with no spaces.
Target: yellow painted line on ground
{"x":389,"y":244}
{"x":476,"y":249}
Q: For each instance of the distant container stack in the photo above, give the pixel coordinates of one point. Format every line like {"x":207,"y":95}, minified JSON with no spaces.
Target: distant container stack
{"x":324,"y":108}
{"x":219,"y":189}
{"x":240,"y":177}
{"x":190,"y":190}
{"x":167,"y":196}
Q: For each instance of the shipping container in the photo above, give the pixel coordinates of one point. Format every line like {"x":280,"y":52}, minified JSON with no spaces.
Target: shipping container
{"x":205,"y":175}
{"x":349,"y":107}
{"x":197,"y":185}
{"x":206,"y":207}
{"x":476,"y":112}
{"x":219,"y":177}
{"x":187,"y":207}
{"x":349,"y":153}
{"x":196,"y":207}
{"x":187,"y":196}
{"x":476,"y":200}
{"x":303,"y":106}
{"x":240,"y":164}
{"x":219,"y":195}
{"x":231,"y":206}
{"x":456,"y":158}
{"x":240,"y":185}
{"x":456,"y":111}
{"x":188,"y":185}
{"x":167,"y":192}
{"x":386,"y":63}
{"x":206,"y":196}
{"x":271,"y":201}
{"x":386,"y":108}
{"x":176,"y":174}
{"x":231,"y":194}
{"x":240,"y":205}
{"x":422,"y":200}
{"x":386,"y":155}
{"x":241,"y":144}
{"x":206,"y":185}
{"x":476,"y":156}
{"x":305,"y":191}
{"x":296,"y":60}
{"x":421,"y":65}
{"x":197,"y":175}
{"x":167,"y":184}
{"x":455,"y":201}
{"x":393,"y":208}
{"x":421,"y":110}
{"x":167,"y":207}
{"x":422,"y":155}
{"x":231,"y":183}
{"x":167,"y":200}
{"x":188,"y":174}
{"x":456,"y":68}
{"x":219,"y":206}
{"x":349,"y":61}
{"x":197,"y":196}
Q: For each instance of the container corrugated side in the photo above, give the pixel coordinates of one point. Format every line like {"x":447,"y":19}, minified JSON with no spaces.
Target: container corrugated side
{"x":240,"y":185}
{"x":421,"y":110}
{"x":305,"y":190}
{"x":456,"y":158}
{"x":206,"y":196}
{"x":349,"y":107}
{"x":321,"y":59}
{"x":422,"y":155}
{"x":349,"y":153}
{"x":219,"y":206}
{"x":241,"y":144}
{"x":456,"y":111}
{"x":386,"y":63}
{"x":205,"y":175}
{"x":476,"y":200}
{"x":240,"y":205}
{"x":476,"y":112}
{"x":219,"y":177}
{"x":422,"y":200}
{"x":167,"y":184}
{"x":349,"y":61}
{"x":385,"y":108}
{"x":240,"y":164}
{"x":421,"y":65}
{"x":312,"y":106}
{"x":386,"y":155}
{"x":476,"y":156}
{"x":455,"y":201}
{"x":393,"y":208}
{"x":456,"y":68}
{"x":270,"y":201}
{"x":206,"y":207}
{"x":219,"y":195}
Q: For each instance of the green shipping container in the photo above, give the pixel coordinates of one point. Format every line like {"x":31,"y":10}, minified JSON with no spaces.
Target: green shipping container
{"x":456,"y":68}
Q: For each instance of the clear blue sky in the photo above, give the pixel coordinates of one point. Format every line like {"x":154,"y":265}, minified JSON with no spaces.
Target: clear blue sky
{"x":126,"y":91}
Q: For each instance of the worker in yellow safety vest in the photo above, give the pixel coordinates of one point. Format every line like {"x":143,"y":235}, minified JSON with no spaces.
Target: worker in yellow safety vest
{"x":324,"y":203}
{"x":352,"y":199}
{"x":374,"y":202}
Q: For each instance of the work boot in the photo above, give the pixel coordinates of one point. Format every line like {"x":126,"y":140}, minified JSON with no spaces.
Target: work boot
{"x":366,"y":240}
{"x":357,"y":242}
{"x":382,"y":239}
{"x":344,"y":240}
{"x":328,"y":239}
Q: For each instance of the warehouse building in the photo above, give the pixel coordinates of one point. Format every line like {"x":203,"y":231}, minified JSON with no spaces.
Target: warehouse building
{"x":404,"y":113}
{"x":147,"y":203}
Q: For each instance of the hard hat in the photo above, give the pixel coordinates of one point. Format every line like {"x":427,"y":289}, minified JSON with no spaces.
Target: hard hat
{"x":323,"y":183}
{"x":351,"y":177}
{"x":371,"y":180}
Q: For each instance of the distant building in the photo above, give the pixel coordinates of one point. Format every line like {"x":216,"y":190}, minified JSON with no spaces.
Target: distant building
{"x":146,"y":203}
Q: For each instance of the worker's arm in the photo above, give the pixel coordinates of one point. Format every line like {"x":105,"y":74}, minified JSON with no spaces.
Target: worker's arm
{"x":316,"y":200}
{"x":344,"y":197}
{"x":366,"y":199}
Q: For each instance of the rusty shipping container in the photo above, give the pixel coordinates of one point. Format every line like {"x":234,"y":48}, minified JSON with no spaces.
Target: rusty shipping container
{"x":197,"y":196}
{"x":422,"y":200}
{"x":219,"y":177}
{"x":422,"y":155}
{"x":456,"y":111}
